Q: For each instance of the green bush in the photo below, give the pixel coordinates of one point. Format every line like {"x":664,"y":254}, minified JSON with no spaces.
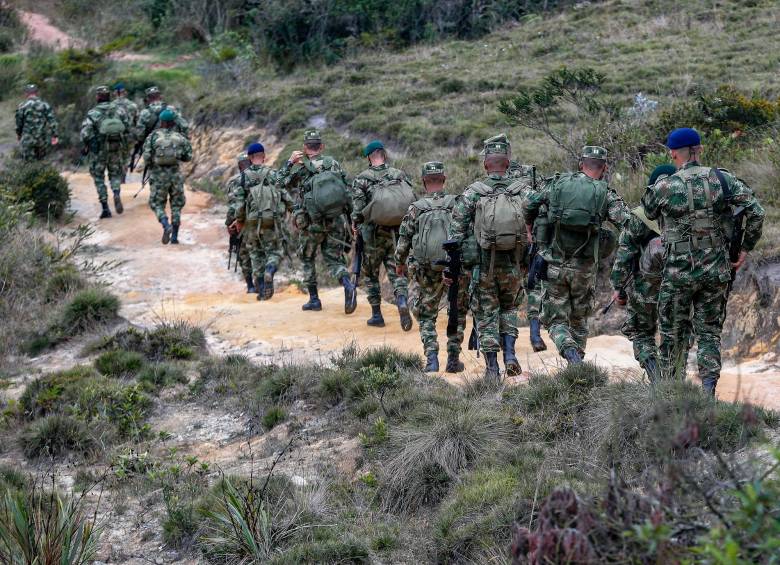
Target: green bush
{"x":273,"y":417}
{"x":10,"y":71}
{"x":41,"y":184}
{"x":119,"y":363}
{"x":346,"y":551}
{"x":65,"y":279}
{"x":168,"y":340}
{"x":50,"y":393}
{"x":57,"y":435}
{"x":160,"y":375}
{"x":89,"y":308}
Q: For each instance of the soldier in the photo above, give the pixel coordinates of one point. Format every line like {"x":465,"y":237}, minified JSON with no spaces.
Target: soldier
{"x":319,"y":185}
{"x":149,"y":118}
{"x":577,"y":204}
{"x":260,"y":209}
{"x":164,"y":149}
{"x":694,"y":208}
{"x":423,"y":231}
{"x":36,"y":126}
{"x":104,"y":134}
{"x":131,"y":109}
{"x":232,"y":191}
{"x":380,"y":196}
{"x":640,"y":255}
{"x":491,"y":208}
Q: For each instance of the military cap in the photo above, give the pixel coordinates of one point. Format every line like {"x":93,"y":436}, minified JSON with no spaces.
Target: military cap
{"x":433,"y":168}
{"x":255,"y":148}
{"x":120,"y":86}
{"x":102,"y":89}
{"x":683,"y":137}
{"x":661,"y":171}
{"x":242,"y":157}
{"x":167,"y":115}
{"x":594,"y":152}
{"x":496,"y":144}
{"x":152,"y":90}
{"x":375,"y":145}
{"x":312,"y":136}
{"x":30,"y":88}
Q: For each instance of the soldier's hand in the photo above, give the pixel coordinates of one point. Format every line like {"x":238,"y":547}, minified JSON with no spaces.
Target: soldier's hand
{"x":296,"y":156}
{"x":741,"y":261}
{"x":55,"y":140}
{"x":400,"y":270}
{"x":620,"y":298}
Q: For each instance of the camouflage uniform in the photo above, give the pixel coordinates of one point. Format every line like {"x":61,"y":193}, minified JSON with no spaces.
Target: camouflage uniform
{"x":104,"y":156}
{"x":149,"y":119}
{"x":694,"y":214}
{"x":35,"y":127}
{"x":131,"y":109}
{"x":233,"y":187}
{"x":571,"y":281}
{"x":165,"y":181}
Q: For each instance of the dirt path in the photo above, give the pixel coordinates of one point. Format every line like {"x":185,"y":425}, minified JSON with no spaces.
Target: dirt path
{"x":191,"y":281}
{"x":41,"y":30}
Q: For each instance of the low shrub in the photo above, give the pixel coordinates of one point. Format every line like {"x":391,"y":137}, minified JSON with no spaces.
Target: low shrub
{"x":273,"y":417}
{"x":343,"y":551}
{"x":168,"y":340}
{"x":41,"y":184}
{"x":160,"y":375}
{"x":57,"y":435}
{"x":120,"y":364}
{"x":89,"y":308}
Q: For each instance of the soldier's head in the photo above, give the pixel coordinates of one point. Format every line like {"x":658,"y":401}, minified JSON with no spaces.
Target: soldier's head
{"x":102,"y":94}
{"x":593,"y":161}
{"x":433,"y":176}
{"x":256,"y":153}
{"x":243,"y":162}
{"x":152,"y":94}
{"x":312,"y":143}
{"x":30,"y":90}
{"x":684,"y":146}
{"x":496,"y":153}
{"x":119,"y":90}
{"x":661,"y":172}
{"x":375,"y":153}
{"x":167,"y":118}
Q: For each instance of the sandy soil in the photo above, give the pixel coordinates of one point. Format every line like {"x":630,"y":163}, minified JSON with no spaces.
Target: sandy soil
{"x":41,"y":30}
{"x":191,"y":281}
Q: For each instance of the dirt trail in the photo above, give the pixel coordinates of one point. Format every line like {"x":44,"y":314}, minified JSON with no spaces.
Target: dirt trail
{"x":41,"y":30}
{"x":191,"y":281}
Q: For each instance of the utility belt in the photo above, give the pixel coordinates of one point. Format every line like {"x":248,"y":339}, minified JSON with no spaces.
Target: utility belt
{"x":694,"y":243}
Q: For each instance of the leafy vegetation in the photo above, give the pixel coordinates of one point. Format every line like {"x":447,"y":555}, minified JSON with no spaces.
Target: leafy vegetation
{"x":39,"y":184}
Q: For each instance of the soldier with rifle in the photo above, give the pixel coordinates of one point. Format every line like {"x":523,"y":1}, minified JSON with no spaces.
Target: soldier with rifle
{"x":236,"y":242}
{"x":149,"y":120}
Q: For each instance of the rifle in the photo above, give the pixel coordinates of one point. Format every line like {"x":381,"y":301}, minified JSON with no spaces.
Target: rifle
{"x":357,"y":262}
{"x":621,"y":294}
{"x":144,"y":180}
{"x":234,"y":246}
{"x":474,"y":336}
{"x":537,"y":268}
{"x":136,"y":156}
{"x":452,"y":270}
{"x":735,"y":245}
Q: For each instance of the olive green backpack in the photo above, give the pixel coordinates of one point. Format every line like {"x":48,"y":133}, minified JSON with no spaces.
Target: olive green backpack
{"x":327,"y":197}
{"x":578,"y":206}
{"x":433,"y":226}
{"x":391,"y":196}
{"x":263,"y":202}
{"x":498,"y":223}
{"x":168,"y":147}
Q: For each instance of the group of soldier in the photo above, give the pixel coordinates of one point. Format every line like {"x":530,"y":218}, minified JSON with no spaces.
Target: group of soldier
{"x":508,"y":234}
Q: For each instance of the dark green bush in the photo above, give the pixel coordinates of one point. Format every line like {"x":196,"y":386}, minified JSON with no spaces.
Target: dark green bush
{"x":89,"y":308}
{"x":119,"y":363}
{"x":168,"y":340}
{"x":40,"y":184}
{"x":273,"y":417}
{"x":10,"y":72}
{"x":160,"y":375}
{"x":57,"y":435}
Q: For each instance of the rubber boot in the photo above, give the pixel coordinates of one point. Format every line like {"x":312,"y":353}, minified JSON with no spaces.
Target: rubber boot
{"x":175,"y":234}
{"x":432,"y":362}
{"x":314,"y":303}
{"x":166,"y":236}
{"x":572,"y":355}
{"x":268,"y":280}
{"x":511,"y":364}
{"x":709,"y":383}
{"x":651,"y":368}
{"x":537,"y":343}
{"x":106,"y":213}
{"x":492,"y":373}
{"x":250,"y":285}
{"x":376,"y":320}
{"x":118,"y":203}
{"x":350,"y":294}
{"x":403,"y":311}
{"x":454,"y":364}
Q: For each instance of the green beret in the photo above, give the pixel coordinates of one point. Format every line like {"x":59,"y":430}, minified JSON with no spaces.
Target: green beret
{"x":242,"y":157}
{"x":312,"y":136}
{"x":30,"y":88}
{"x":661,"y":171}
{"x":167,"y":115}
{"x":594,"y":152}
{"x":102,"y":89}
{"x":152,"y":90}
{"x":375,"y":145}
{"x":433,"y":168}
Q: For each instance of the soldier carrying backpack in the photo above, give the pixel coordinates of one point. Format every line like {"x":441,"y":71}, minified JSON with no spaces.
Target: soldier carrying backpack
{"x":571,"y":241}
{"x":104,"y":134}
{"x":381,"y":195}
{"x":421,"y":235}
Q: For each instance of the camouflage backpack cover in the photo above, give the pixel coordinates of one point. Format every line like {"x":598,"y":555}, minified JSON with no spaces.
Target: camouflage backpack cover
{"x":577,"y":210}
{"x":112,"y":129}
{"x":433,"y":225}
{"x":263,"y":202}
{"x":327,"y":196}
{"x":391,"y":196}
{"x":498,"y":222}
{"x":168,"y":147}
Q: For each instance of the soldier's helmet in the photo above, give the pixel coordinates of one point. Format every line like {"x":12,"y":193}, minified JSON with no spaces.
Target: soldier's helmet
{"x":432,"y":168}
{"x":593,"y":152}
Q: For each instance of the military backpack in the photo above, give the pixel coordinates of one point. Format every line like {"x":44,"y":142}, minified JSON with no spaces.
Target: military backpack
{"x":498,"y":222}
{"x":112,"y":129}
{"x":327,"y":195}
{"x":434,"y":216}
{"x":391,"y":196}
{"x":263,"y":202}
{"x":168,"y":147}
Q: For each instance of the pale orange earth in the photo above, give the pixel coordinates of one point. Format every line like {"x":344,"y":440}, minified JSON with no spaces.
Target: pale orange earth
{"x":191,"y":281}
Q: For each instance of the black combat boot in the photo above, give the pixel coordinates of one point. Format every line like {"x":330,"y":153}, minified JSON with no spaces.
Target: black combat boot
{"x":118,"y":203}
{"x":511,"y":364}
{"x":106,"y":213}
{"x":572,"y":355}
{"x":537,"y":343}
{"x":651,"y":368}
{"x":709,"y":383}
{"x":250,"y":285}
{"x":175,"y":234}
{"x":268,"y":280}
{"x":167,"y":229}
{"x":432,"y":362}
{"x":454,"y":364}
{"x":376,"y":318}
{"x":350,"y":294}
{"x":260,"y":287}
{"x":403,"y":311}
{"x":492,"y":373}
{"x":314,"y":303}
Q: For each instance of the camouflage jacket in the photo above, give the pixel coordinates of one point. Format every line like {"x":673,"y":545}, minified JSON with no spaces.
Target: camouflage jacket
{"x":409,"y":226}
{"x":632,"y":244}
{"x":252,"y":176}
{"x":90,"y":135}
{"x":295,"y":178}
{"x":149,"y":120}
{"x":526,"y":172}
{"x":35,"y":118}
{"x":130,"y":108}
{"x":363,"y":187}
{"x":150,"y":145}
{"x":231,"y":190}
{"x":697,"y":242}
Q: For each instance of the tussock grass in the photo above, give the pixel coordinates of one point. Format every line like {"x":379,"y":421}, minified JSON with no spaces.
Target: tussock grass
{"x":119,"y":363}
{"x":168,"y":340}
{"x":57,"y":435}
{"x":156,"y":376}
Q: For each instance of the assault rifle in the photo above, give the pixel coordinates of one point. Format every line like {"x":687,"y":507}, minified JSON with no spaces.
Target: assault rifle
{"x":357,"y":262}
{"x":735,"y":245}
{"x":621,"y":294}
{"x":234,"y":246}
{"x":136,"y":156}
{"x":144,"y":180}
{"x":537,"y":267}
{"x":452,"y":270}
{"x":474,"y":336}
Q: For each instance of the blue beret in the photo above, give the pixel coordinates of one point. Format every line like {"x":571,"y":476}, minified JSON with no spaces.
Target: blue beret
{"x":119,"y":86}
{"x":371,"y":147}
{"x":661,"y":171}
{"x":683,"y":137}
{"x":255,"y":148}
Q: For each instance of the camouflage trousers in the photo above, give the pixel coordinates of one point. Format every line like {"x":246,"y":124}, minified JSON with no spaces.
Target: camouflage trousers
{"x":166,"y":184}
{"x":568,"y":302}
{"x":426,"y":298}
{"x":380,"y":250}
{"x":700,"y":302}
{"x":113,"y":162}
{"x":329,"y":237}
{"x":244,"y":260}
{"x":264,"y":248}
{"x":640,"y":327}
{"x":497,"y":296}
{"x":33,"y":149}
{"x":535,"y":297}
